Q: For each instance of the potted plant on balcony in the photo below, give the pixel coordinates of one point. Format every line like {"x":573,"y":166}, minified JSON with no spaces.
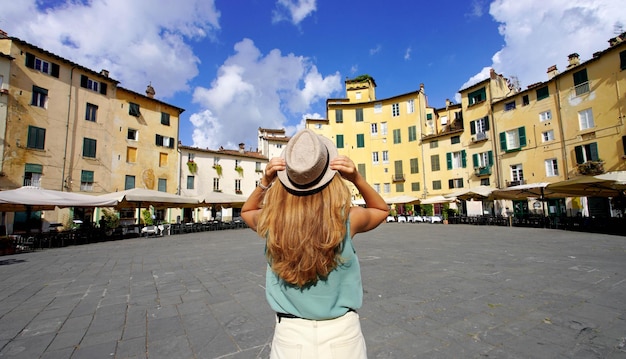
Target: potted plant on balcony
{"x":591,"y":167}
{"x":192,"y":166}
{"x":218,"y":168}
{"x":239,"y":170}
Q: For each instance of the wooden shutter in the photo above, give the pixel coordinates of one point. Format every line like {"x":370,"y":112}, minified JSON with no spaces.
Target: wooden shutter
{"x":30,"y":60}
{"x":522,"y":136}
{"x":503,"y":141}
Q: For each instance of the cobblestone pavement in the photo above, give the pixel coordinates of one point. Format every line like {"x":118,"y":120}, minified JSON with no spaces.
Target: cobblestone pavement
{"x":431,"y":291}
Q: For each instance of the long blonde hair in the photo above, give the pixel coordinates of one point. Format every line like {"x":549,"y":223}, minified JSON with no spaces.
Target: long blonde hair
{"x":304,"y":232}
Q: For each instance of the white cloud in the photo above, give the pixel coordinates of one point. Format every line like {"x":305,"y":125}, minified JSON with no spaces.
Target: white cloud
{"x":376,"y":49}
{"x":293,"y":10}
{"x":539,"y":34}
{"x":252,"y":90}
{"x":139,"y":41}
{"x":407,"y":54}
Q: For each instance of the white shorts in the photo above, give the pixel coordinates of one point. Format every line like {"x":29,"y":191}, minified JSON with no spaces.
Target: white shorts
{"x":339,"y":338}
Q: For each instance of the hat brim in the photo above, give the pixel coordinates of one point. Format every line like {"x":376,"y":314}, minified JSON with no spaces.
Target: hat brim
{"x":326,"y":178}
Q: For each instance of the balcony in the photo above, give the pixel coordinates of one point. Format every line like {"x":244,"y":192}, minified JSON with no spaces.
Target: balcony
{"x":591,"y":168}
{"x":479,"y":137}
{"x":581,"y":89}
{"x":515,"y":183}
{"x":482,"y":171}
{"x":398,"y":177}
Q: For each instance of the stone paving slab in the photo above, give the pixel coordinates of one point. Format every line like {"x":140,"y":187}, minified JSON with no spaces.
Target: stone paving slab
{"x":431,"y":291}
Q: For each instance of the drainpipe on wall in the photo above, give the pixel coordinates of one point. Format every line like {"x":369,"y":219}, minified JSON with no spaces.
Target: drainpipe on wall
{"x":561,"y":132}
{"x":67,"y":130}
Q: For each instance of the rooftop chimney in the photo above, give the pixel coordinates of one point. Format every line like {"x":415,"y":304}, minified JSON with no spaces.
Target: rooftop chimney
{"x":552,"y":71}
{"x":3,"y":34}
{"x":242,"y":147}
{"x":150,"y":91}
{"x":574,"y":60}
{"x":104,"y":73}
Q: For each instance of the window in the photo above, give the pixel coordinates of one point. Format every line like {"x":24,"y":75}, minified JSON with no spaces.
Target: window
{"x":412,"y":133}
{"x":585,"y":153}
{"x":400,"y":187}
{"x":164,"y":141}
{"x":552,"y":168}
{"x":165,"y":118}
{"x":361,"y":168}
{"x":238,"y":186}
{"x":444,"y":120}
{"x":378,"y":107}
{"x":455,"y":183}
{"x":162,"y":159}
{"x":484,"y":181}
{"x":624,"y":144}
{"x":581,"y":82}
{"x":162,"y":186}
{"x":542,"y":93}
{"x":517,"y":174}
{"x":383,"y":128}
{"x":414,"y":165}
{"x":509,"y":106}
{"x":434,"y":144}
{"x":93,"y":85}
{"x":40,"y":97}
{"x":545,"y":116}
{"x":622,"y":60}
{"x":479,"y":126}
{"x":434,"y":163}
{"x":359,"y":115}
{"x":396,"y":136}
{"x":375,"y":158}
{"x":415,"y":186}
{"x":385,"y":157}
{"x":257,"y":167}
{"x":386,"y":187}
{"x":132,"y":134}
{"x":513,"y":140}
{"x":483,"y":159}
{"x":477,"y":96}
{"x":585,"y":119}
{"x":360,"y":140}
{"x":395,"y":110}
{"x":437,"y":184}
{"x":216,"y":160}
{"x":32,"y":174}
{"x":131,"y":154}
{"x":410,"y":106}
{"x":86,"y":181}
{"x":89,"y":147}
{"x":547,"y":136}
{"x":190,"y":181}
{"x":339,"y":116}
{"x":455,"y":160}
{"x":36,"y":137}
{"x":90,"y":113}
{"x":339,"y":141}
{"x":525,"y":100}
{"x":129,"y":182}
{"x":216,"y":184}
{"x":44,"y":66}
{"x":357,"y":95}
{"x":455,"y":140}
{"x":133,"y":109}
{"x":374,"y":128}
{"x":377,"y":187}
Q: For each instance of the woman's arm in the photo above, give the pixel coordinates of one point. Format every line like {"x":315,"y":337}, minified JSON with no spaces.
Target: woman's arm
{"x":376,"y":210}
{"x":251,"y":209}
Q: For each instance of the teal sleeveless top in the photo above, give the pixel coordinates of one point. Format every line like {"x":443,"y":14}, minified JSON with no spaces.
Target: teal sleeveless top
{"x":329,"y":298}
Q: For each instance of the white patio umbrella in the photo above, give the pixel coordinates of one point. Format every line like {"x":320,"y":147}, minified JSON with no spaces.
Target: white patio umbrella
{"x":142,"y":197}
{"x":437,"y":199}
{"x":39,"y":199}
{"x":477,"y":193}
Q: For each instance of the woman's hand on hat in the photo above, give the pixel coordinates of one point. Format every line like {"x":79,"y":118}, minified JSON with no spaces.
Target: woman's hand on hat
{"x":274,"y":165}
{"x":345,"y":166}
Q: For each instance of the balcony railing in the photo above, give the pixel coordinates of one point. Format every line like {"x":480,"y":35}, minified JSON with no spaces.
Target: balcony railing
{"x":32,"y":182}
{"x":581,"y":88}
{"x":591,"y":168}
{"x":398,"y":177}
{"x":515,"y":183}
{"x":482,"y":171}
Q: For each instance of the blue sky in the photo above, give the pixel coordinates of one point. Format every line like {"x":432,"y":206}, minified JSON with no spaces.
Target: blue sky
{"x":236,"y":65}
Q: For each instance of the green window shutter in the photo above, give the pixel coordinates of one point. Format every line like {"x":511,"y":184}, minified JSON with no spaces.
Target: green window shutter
{"x":580,"y":158}
{"x":359,"y":115}
{"x":580,"y":77}
{"x":449,"y":160}
{"x":361,"y":168}
{"x":429,"y":116}
{"x":162,"y":187}
{"x":165,"y":118}
{"x":475,"y":159}
{"x":339,"y":116}
{"x":622,"y":60}
{"x":86,"y":176}
{"x":398,"y":167}
{"x":486,"y":123}
{"x":360,"y":140}
{"x":55,"y":70}
{"x":463,"y":159}
{"x":542,"y":93}
{"x":503,"y":141}
{"x":129,"y":183}
{"x":103,"y":88}
{"x":450,"y":183}
{"x":522,"y":136}
{"x":339,"y":141}
{"x":593,"y":151}
{"x":30,"y":60}
{"x":33,"y":168}
{"x":83,"y":81}
{"x":473,"y":127}
{"x":490,"y":157}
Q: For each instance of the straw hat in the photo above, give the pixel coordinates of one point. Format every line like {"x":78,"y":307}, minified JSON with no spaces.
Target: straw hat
{"x":307,"y":157}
